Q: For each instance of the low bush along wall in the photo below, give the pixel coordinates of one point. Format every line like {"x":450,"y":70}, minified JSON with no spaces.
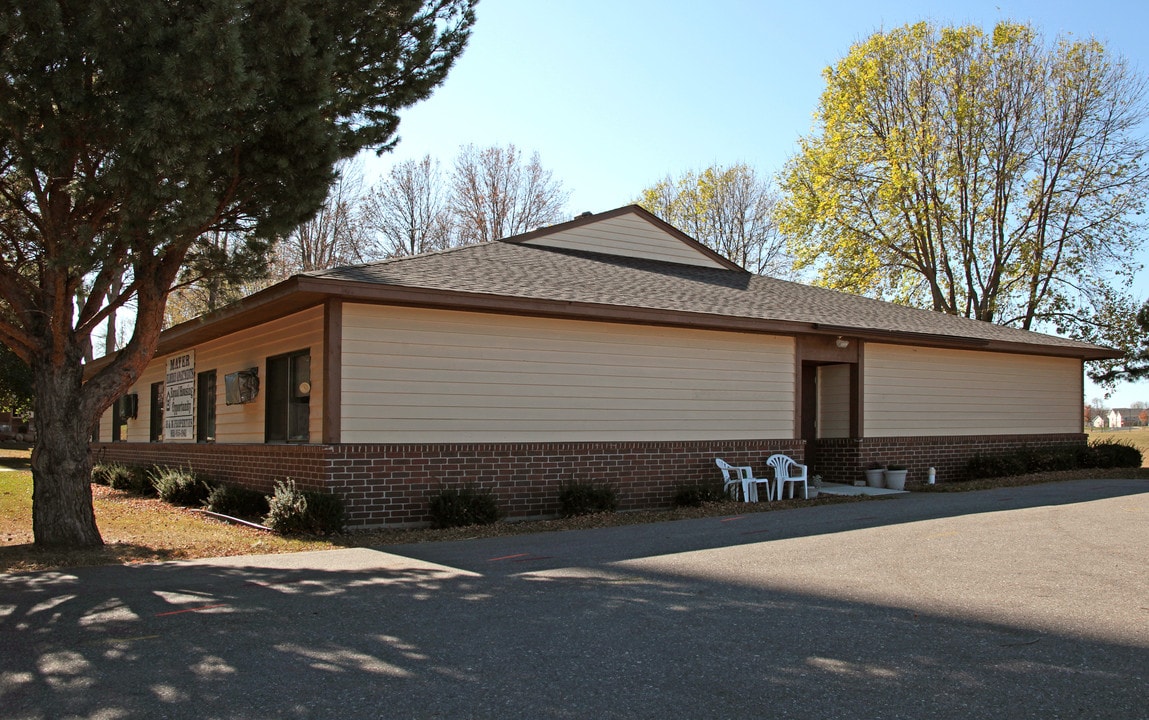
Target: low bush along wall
{"x":844,"y":460}
{"x":391,"y":485}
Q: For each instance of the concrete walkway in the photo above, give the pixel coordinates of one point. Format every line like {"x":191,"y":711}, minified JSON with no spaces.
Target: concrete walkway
{"x":843,"y":489}
{"x":1018,"y":603}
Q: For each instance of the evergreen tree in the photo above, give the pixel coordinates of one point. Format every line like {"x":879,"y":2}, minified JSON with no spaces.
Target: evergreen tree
{"x":131,"y":130}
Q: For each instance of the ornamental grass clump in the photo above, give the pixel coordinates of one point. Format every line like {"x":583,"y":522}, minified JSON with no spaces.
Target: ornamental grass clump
{"x":179,"y":486}
{"x":135,"y":480}
{"x":104,"y":473}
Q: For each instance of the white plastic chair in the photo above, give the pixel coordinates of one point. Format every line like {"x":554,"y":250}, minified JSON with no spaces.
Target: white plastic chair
{"x":783,"y":467}
{"x":744,"y":475}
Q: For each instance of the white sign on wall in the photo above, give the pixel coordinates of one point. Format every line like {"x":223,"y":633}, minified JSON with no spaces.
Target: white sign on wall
{"x":179,"y":397}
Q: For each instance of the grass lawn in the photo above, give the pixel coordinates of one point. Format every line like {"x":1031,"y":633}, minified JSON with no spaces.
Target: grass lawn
{"x":139,"y":529}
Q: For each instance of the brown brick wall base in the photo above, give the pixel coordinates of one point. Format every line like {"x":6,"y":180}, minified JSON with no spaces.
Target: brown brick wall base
{"x":844,"y":459}
{"x":390,"y":485}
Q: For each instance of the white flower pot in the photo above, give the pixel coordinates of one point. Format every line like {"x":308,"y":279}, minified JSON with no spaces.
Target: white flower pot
{"x":896,"y":479}
{"x":876,"y":477}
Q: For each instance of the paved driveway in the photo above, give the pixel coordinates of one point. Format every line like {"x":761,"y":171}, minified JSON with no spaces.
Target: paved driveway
{"x":1020,"y":603}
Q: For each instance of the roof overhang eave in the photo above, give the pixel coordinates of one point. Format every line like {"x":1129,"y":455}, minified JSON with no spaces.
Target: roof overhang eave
{"x":1082,"y":351}
{"x":303,"y":291}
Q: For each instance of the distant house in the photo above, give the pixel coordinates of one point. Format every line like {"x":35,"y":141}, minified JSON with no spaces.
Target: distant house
{"x":1099,"y":421}
{"x":609,"y":348}
{"x":1125,"y":417}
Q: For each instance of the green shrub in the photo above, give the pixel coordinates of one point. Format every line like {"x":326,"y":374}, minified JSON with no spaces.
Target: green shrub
{"x":286,"y":508}
{"x":102,"y":473}
{"x":458,"y":507}
{"x":582,"y":498}
{"x":1114,"y":455}
{"x":292,"y":511}
{"x":1068,"y":457}
{"x":135,"y":480}
{"x":702,"y":491}
{"x":325,"y":512}
{"x":239,"y":502}
{"x":987,"y":466}
{"x":179,"y":486}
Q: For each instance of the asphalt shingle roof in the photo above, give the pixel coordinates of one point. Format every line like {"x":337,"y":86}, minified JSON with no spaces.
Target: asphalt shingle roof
{"x":515,"y":270}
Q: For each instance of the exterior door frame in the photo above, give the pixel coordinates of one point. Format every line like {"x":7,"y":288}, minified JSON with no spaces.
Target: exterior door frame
{"x":814,"y":351}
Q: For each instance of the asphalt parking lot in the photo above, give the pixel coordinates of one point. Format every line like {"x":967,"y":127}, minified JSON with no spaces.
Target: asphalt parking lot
{"x":1015,"y":603}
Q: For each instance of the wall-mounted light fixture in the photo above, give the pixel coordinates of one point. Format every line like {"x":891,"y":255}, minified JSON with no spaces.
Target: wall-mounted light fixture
{"x":842,"y":342}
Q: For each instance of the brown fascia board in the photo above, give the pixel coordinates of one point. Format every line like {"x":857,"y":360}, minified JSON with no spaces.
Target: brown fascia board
{"x":587,"y":219}
{"x":478,"y":302}
{"x":279,"y":300}
{"x":1094,"y":352}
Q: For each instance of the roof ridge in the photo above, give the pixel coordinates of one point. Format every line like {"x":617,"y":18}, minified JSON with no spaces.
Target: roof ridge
{"x":395,"y":260}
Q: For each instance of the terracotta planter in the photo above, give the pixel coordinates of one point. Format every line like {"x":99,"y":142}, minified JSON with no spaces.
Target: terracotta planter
{"x":876,"y":477}
{"x":896,"y":479}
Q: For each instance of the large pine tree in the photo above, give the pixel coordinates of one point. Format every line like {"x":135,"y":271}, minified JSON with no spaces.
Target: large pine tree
{"x":131,"y":129}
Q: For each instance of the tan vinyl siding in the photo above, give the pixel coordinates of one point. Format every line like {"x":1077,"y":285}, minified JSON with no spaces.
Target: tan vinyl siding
{"x":629,"y":236}
{"x":139,"y":427}
{"x":412,"y":375}
{"x":926,"y":391}
{"x":834,"y":401}
{"x":249,"y":348}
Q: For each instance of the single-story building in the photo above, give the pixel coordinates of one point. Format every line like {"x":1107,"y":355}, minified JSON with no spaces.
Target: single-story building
{"x":609,"y":348}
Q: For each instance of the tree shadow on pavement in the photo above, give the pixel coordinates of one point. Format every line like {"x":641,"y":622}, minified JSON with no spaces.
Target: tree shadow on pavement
{"x":364,"y":633}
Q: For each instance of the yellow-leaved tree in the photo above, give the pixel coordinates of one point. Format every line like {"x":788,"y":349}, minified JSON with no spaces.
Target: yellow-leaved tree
{"x":728,"y":209}
{"x":988,"y":175}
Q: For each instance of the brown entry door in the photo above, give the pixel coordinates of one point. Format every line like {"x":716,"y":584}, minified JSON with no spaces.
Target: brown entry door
{"x":809,"y":411}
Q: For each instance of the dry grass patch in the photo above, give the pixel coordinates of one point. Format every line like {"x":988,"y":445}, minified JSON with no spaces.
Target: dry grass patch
{"x":135,"y":530}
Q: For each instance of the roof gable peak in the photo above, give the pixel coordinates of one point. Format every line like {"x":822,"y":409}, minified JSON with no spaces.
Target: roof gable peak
{"x":629,"y":231}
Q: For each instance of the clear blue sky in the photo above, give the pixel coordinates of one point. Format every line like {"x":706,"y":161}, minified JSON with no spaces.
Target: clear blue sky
{"x":616,"y":94}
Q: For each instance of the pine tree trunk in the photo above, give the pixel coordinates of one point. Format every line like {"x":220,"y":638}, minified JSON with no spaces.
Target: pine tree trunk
{"x":62,"y":511}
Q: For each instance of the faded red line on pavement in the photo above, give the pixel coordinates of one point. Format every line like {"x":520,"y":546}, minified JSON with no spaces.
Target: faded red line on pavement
{"x":188,"y":610}
{"x":532,"y":558}
{"x":507,"y":557}
{"x":732,"y":519}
